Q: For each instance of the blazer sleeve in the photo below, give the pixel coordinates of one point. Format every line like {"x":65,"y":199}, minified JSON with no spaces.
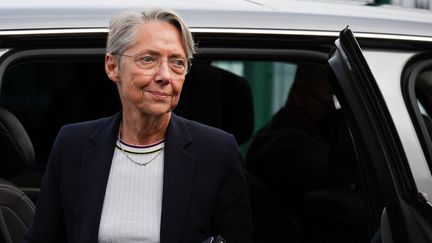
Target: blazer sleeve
{"x":48,"y":224}
{"x":232,"y":218}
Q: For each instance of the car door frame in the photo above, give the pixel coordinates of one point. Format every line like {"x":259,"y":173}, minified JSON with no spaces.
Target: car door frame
{"x":385,"y":163}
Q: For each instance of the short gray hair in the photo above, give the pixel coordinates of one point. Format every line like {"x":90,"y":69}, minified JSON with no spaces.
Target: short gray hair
{"x":122,"y":29}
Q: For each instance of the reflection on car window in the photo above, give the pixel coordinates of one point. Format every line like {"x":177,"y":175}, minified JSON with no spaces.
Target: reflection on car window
{"x":422,"y":109}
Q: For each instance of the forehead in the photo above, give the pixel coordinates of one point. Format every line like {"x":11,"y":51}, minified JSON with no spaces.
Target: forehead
{"x":158,"y":36}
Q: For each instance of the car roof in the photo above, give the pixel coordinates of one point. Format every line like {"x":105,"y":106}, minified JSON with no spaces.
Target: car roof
{"x":222,"y":14}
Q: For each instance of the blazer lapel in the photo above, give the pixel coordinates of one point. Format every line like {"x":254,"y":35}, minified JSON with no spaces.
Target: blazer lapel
{"x":96,"y":165}
{"x":179,"y":168}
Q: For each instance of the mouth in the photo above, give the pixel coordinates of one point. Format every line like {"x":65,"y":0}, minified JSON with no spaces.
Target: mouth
{"x":159,"y":94}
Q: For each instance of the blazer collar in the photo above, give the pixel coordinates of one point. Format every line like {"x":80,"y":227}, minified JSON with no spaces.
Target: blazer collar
{"x":96,"y":164}
{"x":179,"y":166}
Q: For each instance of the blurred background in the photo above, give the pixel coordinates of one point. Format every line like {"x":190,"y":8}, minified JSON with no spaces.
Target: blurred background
{"x":424,"y":4}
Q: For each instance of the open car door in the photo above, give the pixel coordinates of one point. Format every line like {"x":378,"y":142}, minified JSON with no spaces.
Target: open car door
{"x":397,"y":211}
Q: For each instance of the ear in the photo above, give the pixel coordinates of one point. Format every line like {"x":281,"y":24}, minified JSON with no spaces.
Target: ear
{"x":112,"y":67}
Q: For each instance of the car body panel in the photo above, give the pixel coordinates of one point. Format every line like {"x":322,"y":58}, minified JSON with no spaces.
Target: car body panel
{"x":279,"y":15}
{"x":357,"y":81}
{"x":387,"y":81}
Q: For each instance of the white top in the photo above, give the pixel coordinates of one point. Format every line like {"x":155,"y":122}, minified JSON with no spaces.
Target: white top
{"x":133,"y":199}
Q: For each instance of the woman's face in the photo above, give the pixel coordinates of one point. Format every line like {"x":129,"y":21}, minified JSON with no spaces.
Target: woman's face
{"x":153,"y":91}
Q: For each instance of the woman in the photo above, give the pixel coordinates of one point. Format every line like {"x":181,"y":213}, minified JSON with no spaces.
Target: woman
{"x":145,"y":174}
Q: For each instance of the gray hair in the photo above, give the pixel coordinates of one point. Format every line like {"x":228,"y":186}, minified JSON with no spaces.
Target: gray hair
{"x":122,"y":29}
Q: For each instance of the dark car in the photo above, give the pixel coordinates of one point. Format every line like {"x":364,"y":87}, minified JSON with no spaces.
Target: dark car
{"x":335,"y":126}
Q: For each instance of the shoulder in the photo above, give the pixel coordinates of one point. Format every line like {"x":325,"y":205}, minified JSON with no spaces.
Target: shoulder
{"x":87,"y":127}
{"x":209,"y":145}
{"x":203,"y":133}
{"x":82,"y":135}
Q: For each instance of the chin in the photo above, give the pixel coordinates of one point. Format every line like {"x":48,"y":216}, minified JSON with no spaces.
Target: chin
{"x":157,"y":112}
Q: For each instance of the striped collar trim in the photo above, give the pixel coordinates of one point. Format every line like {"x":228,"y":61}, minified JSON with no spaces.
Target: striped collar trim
{"x":148,"y":149}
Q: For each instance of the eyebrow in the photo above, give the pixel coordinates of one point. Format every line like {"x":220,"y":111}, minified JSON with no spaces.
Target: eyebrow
{"x":156,"y":53}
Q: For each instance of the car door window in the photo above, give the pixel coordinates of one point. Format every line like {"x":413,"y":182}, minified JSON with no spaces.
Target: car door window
{"x":270,"y":84}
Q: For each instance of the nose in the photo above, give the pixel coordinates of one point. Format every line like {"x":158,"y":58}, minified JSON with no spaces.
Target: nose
{"x":163,"y":74}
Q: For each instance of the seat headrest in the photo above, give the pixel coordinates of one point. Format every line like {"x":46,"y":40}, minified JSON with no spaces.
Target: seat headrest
{"x":218,"y":98}
{"x":16,"y":149}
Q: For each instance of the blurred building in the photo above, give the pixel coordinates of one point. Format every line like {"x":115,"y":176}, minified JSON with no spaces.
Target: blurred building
{"x":424,"y":4}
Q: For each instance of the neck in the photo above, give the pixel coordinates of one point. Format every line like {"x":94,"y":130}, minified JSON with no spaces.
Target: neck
{"x":141,"y":130}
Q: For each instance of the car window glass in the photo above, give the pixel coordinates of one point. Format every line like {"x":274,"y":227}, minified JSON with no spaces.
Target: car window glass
{"x":270,"y":83}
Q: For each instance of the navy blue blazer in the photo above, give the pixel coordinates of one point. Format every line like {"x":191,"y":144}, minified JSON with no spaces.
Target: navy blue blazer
{"x":204,"y":190}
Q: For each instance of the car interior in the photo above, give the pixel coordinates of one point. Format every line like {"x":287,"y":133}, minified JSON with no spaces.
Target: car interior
{"x":303,"y":177}
{"x":16,"y":209}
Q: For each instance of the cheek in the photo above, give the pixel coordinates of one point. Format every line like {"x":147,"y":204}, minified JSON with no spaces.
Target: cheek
{"x":130,"y":91}
{"x":177,"y":88}
{"x":134,"y":83}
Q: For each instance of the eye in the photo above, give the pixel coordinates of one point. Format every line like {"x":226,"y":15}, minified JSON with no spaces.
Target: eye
{"x":147,"y":60}
{"x":178,"y":62}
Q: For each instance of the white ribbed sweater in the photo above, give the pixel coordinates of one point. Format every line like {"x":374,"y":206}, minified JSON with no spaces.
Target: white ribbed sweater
{"x":133,"y":199}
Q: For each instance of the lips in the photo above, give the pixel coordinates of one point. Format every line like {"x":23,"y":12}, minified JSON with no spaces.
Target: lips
{"x":159,"y":94}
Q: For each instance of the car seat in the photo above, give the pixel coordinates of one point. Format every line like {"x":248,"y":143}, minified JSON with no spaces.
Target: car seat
{"x":304,"y":155}
{"x":218,"y":98}
{"x":16,"y":150}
